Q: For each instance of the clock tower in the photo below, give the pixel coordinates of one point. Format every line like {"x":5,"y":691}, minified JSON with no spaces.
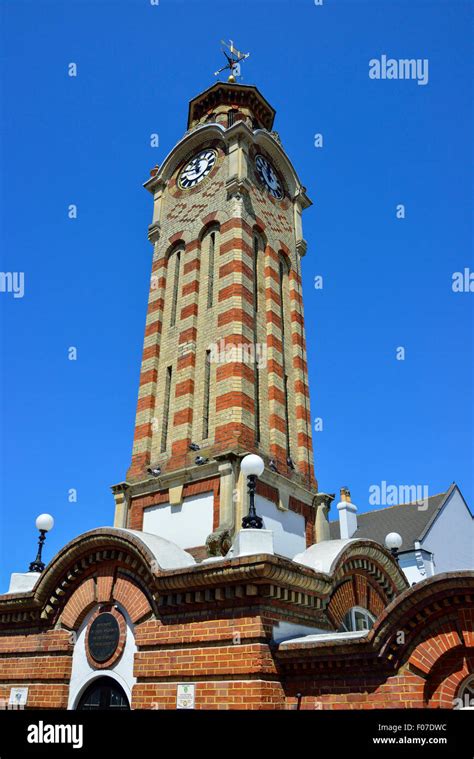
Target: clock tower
{"x":224,"y":369}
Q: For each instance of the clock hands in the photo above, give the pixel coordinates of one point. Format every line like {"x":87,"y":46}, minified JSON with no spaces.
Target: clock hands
{"x":268,"y":176}
{"x":271,"y":178}
{"x":197,"y":168}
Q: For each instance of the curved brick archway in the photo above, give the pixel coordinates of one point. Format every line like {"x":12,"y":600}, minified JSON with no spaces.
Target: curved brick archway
{"x":446,"y":678}
{"x":105,"y":587}
{"x":356,"y":590}
{"x":418,"y":654}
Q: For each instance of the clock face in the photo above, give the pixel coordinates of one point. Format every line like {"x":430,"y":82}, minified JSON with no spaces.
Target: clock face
{"x":268,"y":177}
{"x":197,"y":168}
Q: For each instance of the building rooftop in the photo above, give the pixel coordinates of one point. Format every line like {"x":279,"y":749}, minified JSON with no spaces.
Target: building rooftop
{"x":234,"y":95}
{"x":410,"y":520}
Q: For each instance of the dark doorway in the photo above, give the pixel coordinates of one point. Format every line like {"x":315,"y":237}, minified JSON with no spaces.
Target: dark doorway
{"x":104,"y":693}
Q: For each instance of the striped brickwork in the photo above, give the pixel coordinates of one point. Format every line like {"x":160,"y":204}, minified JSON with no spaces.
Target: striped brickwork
{"x":238,"y":300}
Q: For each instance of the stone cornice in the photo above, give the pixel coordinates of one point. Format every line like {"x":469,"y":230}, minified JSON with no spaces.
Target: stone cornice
{"x":260,"y":569}
{"x":192,"y":473}
{"x":268,"y":578}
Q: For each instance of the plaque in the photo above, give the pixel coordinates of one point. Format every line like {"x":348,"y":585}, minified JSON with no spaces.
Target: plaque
{"x":104,"y":635}
{"x":185,"y":695}
{"x":18,"y":697}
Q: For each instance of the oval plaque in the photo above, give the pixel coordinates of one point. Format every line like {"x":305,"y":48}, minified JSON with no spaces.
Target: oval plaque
{"x":104,"y":635}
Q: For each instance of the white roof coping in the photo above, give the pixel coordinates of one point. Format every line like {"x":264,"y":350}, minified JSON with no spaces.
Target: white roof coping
{"x":22,"y":582}
{"x":168,"y":555}
{"x":321,"y":556}
{"x":326,"y":637}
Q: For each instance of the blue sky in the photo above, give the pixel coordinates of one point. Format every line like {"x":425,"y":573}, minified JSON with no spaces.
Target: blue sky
{"x":387,"y":281}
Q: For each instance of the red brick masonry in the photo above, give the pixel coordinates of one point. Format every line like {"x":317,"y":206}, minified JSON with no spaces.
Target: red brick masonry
{"x":213,"y":625}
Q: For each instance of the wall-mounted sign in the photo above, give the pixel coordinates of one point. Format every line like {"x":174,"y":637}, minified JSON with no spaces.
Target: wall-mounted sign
{"x":18,"y":697}
{"x":104,"y":635}
{"x":185,"y":695}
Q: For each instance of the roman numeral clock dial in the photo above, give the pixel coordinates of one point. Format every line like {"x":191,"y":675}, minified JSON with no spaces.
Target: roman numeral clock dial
{"x":197,"y":169}
{"x":268,"y":177}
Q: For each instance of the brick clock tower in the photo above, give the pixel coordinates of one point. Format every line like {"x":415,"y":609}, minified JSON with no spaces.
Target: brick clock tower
{"x":224,"y":369}
{"x":276,"y":618}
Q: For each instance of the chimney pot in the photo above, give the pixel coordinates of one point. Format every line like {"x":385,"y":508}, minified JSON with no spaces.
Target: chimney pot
{"x":347,"y":515}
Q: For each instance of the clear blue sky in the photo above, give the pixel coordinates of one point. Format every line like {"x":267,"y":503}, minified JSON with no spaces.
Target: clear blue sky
{"x":387,"y":282}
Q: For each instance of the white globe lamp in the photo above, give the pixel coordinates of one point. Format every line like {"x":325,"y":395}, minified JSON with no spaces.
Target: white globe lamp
{"x":44,"y":523}
{"x":393,"y":541}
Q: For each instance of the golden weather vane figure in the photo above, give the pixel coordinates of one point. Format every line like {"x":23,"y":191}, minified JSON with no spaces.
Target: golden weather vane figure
{"x":233,"y":60}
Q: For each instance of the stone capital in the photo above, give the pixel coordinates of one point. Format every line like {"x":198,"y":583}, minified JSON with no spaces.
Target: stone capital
{"x":154,"y":232}
{"x":324,"y":500}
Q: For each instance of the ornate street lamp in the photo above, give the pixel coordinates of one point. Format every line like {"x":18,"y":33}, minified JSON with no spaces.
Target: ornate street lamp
{"x":44,"y":523}
{"x":252,"y":467}
{"x":393,"y":542}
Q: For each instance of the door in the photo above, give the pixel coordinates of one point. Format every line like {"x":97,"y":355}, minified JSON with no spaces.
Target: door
{"x":104,"y":693}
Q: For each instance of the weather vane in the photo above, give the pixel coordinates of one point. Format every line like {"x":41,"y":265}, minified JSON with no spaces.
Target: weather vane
{"x":233,"y":61}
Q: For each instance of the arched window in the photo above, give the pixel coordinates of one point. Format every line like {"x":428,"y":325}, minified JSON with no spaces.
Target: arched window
{"x":209,"y":256}
{"x":166,"y":409}
{"x":356,"y":620}
{"x":258,"y":250}
{"x":283,"y":281}
{"x":174,"y":270}
{"x":104,"y":693}
{"x":465,"y":699}
{"x":207,"y":395}
{"x":231,"y":116}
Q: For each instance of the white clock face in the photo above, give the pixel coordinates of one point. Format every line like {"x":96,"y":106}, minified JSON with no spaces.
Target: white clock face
{"x":268,"y":177}
{"x":197,"y":168}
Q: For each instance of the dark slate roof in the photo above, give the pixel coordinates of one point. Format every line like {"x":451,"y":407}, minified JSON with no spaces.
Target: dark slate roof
{"x":407,"y":519}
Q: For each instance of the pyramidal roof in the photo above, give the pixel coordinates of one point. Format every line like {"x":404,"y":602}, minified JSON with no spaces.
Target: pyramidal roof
{"x":234,"y":95}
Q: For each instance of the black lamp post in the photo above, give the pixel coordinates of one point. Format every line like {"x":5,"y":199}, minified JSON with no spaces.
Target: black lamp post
{"x":44,"y":524}
{"x":252,"y":466}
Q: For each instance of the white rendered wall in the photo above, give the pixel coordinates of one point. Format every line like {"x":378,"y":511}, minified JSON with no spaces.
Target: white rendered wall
{"x":289,"y":537}
{"x":410,"y":568}
{"x":83,"y":674}
{"x":451,"y":538}
{"x":187,"y":525}
{"x":416,"y":566}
